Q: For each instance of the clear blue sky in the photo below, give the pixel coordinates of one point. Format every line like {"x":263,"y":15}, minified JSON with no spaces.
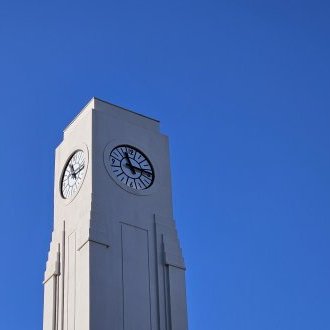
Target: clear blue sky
{"x":241,"y":88}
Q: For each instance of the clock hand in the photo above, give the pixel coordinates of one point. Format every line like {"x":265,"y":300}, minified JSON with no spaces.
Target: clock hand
{"x":79,"y":169}
{"x":130,"y":166}
{"x":138,"y":169}
{"x":72,"y":172}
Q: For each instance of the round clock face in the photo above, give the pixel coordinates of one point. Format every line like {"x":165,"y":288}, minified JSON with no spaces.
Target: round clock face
{"x":131,"y":167}
{"x":73,"y":174}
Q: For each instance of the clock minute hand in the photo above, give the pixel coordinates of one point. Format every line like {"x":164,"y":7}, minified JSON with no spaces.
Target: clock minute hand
{"x":79,"y":169}
{"x":129,"y":164}
{"x":72,"y":172}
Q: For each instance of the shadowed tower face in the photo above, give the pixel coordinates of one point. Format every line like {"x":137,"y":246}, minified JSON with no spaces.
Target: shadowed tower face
{"x":115,"y":261}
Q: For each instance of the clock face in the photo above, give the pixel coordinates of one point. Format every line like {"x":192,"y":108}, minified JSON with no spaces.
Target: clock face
{"x":73,"y":174}
{"x":131,"y":167}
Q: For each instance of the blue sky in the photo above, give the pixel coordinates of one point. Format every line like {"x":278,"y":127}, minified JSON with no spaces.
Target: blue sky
{"x":241,"y":88}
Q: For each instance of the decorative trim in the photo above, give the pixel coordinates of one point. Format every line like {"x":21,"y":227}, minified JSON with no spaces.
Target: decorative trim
{"x":92,"y":241}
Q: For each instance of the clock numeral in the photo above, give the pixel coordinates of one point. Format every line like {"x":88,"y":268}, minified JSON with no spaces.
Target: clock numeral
{"x":122,"y":151}
{"x":130,"y":151}
{"x":139,"y":184}
{"x":116,"y":155}
{"x":145,"y":180}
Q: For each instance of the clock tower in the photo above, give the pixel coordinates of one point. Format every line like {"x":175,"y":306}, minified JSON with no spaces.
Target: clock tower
{"x":115,"y":261}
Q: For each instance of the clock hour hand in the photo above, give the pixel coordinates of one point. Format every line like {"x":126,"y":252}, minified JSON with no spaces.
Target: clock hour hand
{"x":140,"y":170}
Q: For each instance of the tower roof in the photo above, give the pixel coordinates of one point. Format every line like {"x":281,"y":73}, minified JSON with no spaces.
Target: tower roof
{"x":98,"y":104}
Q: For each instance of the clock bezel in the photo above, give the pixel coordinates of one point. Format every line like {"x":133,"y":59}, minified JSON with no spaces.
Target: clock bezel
{"x":75,"y":149}
{"x":117,"y":143}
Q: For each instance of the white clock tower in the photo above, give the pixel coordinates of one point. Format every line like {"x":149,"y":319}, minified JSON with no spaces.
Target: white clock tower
{"x":115,"y":261}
